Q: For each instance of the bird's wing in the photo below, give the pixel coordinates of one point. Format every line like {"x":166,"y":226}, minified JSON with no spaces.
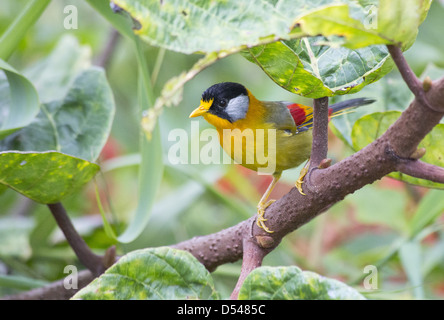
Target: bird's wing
{"x":302,"y":115}
{"x":279,"y":115}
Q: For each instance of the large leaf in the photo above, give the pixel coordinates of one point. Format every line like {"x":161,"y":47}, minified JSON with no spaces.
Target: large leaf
{"x":306,"y":68}
{"x":67,"y":135}
{"x":191,"y":26}
{"x":19,"y":102}
{"x":14,"y":235}
{"x":411,"y":258}
{"x":54,"y":75}
{"x":155,"y":274}
{"x":380,"y":207}
{"x":372,"y":126}
{"x":398,"y":20}
{"x":348,"y":59}
{"x":291,"y":283}
{"x":390,"y":93}
{"x":45,"y":177}
{"x":78,"y":124}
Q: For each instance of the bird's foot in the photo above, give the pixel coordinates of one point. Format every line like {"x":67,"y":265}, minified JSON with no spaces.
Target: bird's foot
{"x":300,"y":181}
{"x":260,"y":220}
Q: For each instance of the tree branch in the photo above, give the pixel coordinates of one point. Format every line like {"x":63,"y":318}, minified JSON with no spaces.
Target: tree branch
{"x":332,"y":185}
{"x":320,"y":132}
{"x":385,"y":155}
{"x":388,"y":153}
{"x":90,"y":260}
{"x":218,"y":248}
{"x":253,"y":254}
{"x":55,"y":290}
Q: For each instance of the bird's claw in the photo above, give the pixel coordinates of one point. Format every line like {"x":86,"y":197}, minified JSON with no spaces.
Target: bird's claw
{"x":300,"y":181}
{"x":298,"y":185}
{"x":260,"y":220}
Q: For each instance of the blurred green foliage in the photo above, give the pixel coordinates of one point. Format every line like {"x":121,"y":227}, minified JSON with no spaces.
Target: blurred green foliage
{"x":389,"y":224}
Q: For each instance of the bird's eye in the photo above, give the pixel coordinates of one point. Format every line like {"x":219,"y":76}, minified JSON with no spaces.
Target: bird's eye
{"x":223,"y":102}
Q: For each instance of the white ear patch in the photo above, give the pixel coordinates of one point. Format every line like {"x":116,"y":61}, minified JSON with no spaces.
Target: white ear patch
{"x":237,"y":107}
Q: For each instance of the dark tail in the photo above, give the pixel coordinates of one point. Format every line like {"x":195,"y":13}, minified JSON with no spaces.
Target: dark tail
{"x":339,"y":108}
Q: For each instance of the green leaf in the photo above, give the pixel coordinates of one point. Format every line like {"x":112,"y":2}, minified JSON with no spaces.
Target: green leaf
{"x":380,"y":206}
{"x":152,"y":274}
{"x":390,"y":93}
{"x":151,"y":166}
{"x":14,"y":237}
{"x":54,"y":75}
{"x":177,"y":25}
{"x":348,"y":55}
{"x":20,"y":282}
{"x":106,"y":225}
{"x":429,"y":209}
{"x":19,"y":102}
{"x":291,"y":283}
{"x":119,"y":22}
{"x":45,"y":177}
{"x":73,"y":124}
{"x":372,"y":126}
{"x":304,"y":67}
{"x":28,"y":16}
{"x":350,"y":21}
{"x":398,"y":20}
{"x":78,"y":124}
{"x":411,"y":259}
{"x":39,"y":238}
{"x":78,"y":105}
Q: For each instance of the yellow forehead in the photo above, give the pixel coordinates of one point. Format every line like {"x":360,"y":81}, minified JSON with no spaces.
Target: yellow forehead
{"x":206,"y":104}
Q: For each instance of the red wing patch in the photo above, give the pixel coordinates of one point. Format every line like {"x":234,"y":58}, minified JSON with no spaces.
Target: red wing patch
{"x":302,"y":115}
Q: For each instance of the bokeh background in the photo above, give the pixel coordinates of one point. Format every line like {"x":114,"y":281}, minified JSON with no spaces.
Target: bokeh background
{"x":201,"y":199}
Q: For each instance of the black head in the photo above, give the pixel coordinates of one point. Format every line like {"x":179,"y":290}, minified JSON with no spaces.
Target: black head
{"x":230,"y":100}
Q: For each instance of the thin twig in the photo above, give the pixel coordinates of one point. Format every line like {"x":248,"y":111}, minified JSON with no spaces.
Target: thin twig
{"x":90,"y":260}
{"x":105,"y":57}
{"x":422,"y":170}
{"x":407,"y":73}
{"x":415,"y":85}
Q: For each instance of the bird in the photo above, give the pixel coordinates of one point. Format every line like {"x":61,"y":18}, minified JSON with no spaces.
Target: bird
{"x":284,"y":127}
